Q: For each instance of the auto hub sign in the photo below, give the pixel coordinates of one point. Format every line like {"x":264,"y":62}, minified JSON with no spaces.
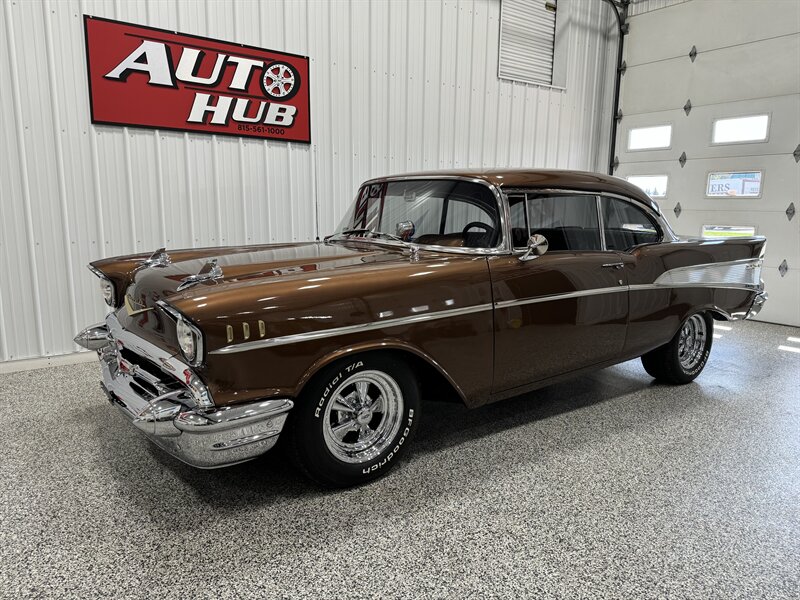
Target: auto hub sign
{"x":146,"y":77}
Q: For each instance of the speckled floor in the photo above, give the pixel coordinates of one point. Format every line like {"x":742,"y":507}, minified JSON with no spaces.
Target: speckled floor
{"x":605,"y":486}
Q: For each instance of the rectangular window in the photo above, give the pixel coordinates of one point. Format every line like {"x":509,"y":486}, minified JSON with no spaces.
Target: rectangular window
{"x":734,"y":184}
{"x":527,"y":36}
{"x":650,"y":138}
{"x":740,"y":129}
{"x":654,"y":186}
{"x":726,"y":231}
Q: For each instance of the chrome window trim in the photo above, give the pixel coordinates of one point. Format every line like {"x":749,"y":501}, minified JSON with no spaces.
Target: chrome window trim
{"x":601,"y":223}
{"x":667,"y":234}
{"x":358,"y":328}
{"x":503,"y":246}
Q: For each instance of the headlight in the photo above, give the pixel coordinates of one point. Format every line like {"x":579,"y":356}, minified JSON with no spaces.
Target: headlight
{"x":106,"y":287}
{"x":187,"y":340}
{"x":190,"y":341}
{"x":190,"y":338}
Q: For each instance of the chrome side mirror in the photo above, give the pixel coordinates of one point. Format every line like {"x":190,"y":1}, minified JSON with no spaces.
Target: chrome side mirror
{"x":405,"y":230}
{"x":537,"y":245}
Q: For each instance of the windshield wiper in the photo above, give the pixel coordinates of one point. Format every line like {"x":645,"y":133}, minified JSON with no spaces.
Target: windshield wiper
{"x":367,"y":231}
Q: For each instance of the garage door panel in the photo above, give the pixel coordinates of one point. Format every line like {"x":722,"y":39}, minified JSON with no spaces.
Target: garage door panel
{"x":763,"y":69}
{"x":783,"y":305}
{"x":692,"y":133}
{"x":672,"y":32}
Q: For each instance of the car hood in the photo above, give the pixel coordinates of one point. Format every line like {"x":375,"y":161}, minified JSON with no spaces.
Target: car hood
{"x":192,"y":273}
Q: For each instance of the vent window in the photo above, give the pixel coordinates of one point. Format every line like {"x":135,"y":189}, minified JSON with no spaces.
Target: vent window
{"x":527,"y":38}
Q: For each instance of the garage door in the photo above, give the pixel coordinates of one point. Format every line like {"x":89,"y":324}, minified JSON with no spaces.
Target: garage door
{"x":711,"y":127}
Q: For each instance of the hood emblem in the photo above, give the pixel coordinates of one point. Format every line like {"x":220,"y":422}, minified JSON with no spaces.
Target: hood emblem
{"x":210,"y":270}
{"x":159,"y":258}
{"x":134,"y":308}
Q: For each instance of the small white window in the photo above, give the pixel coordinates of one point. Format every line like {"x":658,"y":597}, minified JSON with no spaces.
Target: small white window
{"x":725,"y":231}
{"x":654,"y":186}
{"x":650,"y":138}
{"x":734,"y":184}
{"x":740,"y":129}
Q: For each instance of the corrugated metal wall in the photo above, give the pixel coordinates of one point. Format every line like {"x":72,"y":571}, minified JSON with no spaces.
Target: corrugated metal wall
{"x":395,"y":86}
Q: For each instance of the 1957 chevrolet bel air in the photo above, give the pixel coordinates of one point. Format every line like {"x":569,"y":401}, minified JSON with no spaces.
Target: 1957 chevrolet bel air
{"x":434,"y":284}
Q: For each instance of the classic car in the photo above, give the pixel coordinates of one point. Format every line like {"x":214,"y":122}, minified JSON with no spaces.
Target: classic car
{"x":474,"y":285}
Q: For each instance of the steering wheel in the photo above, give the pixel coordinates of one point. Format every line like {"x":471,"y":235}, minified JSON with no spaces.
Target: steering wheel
{"x":486,"y":236}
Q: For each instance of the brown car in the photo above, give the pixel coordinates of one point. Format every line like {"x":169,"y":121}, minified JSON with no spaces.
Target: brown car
{"x":433,"y":284}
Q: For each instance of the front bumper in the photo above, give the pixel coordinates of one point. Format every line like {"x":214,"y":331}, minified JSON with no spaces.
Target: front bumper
{"x":165,"y":400}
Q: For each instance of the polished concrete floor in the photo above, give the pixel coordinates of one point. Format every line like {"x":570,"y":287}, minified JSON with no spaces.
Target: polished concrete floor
{"x":608,"y":486}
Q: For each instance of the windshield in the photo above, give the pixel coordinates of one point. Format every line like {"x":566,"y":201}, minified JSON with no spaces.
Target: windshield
{"x":435,"y":212}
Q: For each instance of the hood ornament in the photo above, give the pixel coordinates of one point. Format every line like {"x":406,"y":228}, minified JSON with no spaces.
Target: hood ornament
{"x":159,"y":258}
{"x":210,"y":270}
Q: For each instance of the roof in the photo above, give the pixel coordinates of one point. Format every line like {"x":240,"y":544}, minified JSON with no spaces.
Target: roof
{"x":544,"y":178}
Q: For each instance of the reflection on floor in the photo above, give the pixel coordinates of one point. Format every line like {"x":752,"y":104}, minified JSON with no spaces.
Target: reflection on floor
{"x":605,"y":486}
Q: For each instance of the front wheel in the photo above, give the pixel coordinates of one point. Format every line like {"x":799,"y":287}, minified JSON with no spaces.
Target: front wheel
{"x":355,"y":419}
{"x":682,"y":359}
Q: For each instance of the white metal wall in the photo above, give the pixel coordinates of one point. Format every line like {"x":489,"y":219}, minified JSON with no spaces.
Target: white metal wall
{"x":395,"y":86}
{"x":740,"y":69}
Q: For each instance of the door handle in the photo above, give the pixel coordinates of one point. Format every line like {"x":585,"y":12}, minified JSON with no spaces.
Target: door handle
{"x":616,"y":265}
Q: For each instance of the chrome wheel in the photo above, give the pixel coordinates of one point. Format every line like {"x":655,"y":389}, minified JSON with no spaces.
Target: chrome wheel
{"x":692,"y":342}
{"x":363,"y":416}
{"x":279,"y":80}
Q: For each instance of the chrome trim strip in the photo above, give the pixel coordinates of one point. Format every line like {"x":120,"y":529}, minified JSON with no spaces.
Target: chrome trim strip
{"x":562,"y":296}
{"x":315,"y":335}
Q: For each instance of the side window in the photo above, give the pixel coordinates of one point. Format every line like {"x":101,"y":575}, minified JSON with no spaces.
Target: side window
{"x":519,"y":221}
{"x":569,"y":222}
{"x":627,"y":225}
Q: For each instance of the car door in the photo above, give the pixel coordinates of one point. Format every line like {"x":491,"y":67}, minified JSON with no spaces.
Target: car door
{"x":561,"y":311}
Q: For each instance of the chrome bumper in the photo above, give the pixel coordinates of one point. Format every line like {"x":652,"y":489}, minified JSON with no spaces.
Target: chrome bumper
{"x":758,"y":304}
{"x":168,"y":406}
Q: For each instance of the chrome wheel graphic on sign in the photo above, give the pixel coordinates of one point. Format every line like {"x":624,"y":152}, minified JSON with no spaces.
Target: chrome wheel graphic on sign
{"x":280,"y":81}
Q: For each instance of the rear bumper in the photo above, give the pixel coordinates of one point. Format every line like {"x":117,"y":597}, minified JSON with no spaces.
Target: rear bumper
{"x":758,"y":304}
{"x":166,"y":409}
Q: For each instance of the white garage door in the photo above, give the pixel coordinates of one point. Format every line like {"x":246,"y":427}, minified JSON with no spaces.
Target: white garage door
{"x":732,"y":107}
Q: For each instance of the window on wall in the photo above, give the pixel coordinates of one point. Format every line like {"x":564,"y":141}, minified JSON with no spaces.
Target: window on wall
{"x":650,"y":138}
{"x":734,"y":184}
{"x":527,"y":39}
{"x":726,"y":231}
{"x":753,"y":128}
{"x":654,"y":186}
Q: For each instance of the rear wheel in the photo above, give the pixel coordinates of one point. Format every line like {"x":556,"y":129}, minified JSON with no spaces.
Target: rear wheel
{"x":355,"y":419}
{"x":682,"y":359}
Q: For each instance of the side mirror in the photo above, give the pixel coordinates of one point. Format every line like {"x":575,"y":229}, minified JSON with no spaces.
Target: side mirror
{"x":537,"y":245}
{"x":405,"y":230}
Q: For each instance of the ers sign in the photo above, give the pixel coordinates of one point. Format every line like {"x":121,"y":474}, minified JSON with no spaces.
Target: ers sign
{"x":147,"y":77}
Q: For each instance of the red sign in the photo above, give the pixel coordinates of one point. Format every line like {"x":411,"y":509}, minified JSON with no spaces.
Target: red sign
{"x":146,"y":77}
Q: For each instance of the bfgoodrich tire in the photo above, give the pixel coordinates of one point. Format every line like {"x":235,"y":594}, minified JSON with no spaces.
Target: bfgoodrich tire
{"x":355,"y":419}
{"x":683,"y":358}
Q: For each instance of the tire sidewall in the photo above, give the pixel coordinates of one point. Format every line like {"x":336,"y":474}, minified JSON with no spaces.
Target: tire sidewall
{"x":311,"y":412}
